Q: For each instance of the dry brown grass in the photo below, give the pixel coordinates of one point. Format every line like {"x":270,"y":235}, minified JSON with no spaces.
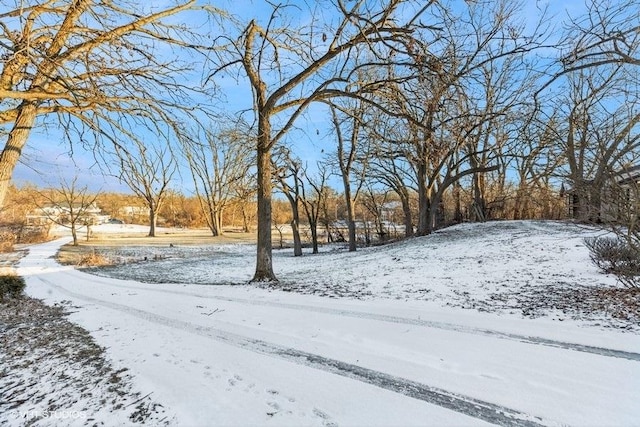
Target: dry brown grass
{"x":93,"y":259}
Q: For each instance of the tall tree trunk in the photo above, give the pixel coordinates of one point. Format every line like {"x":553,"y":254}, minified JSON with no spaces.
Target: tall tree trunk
{"x":152,"y":221}
{"x":27,"y":111}
{"x":210,"y":217}
{"x":436,"y":209}
{"x":74,"y":234}
{"x":314,"y":236}
{"x":264,"y":264}
{"x":479,"y":202}
{"x":245,"y":219}
{"x":583,"y":208}
{"x":408,"y":219}
{"x":457,"y":216}
{"x":351,"y":216}
{"x":367,"y":231}
{"x":295,"y":222}
{"x":218,"y":221}
{"x":16,"y":141}
{"x":423,"y":201}
{"x":432,"y":214}
{"x":297,"y":242}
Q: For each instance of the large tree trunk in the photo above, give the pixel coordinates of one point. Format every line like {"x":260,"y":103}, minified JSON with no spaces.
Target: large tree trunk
{"x":264,"y":265}
{"x":423,"y":201}
{"x":403,"y":194}
{"x":586,"y":201}
{"x":457,"y":215}
{"x":218,"y":218}
{"x":408,"y":219}
{"x":210,"y":217}
{"x":212,"y":221}
{"x":295,"y":222}
{"x":479,"y":200}
{"x":351,"y":216}
{"x":436,"y":209}
{"x":595,"y":205}
{"x":16,"y":141}
{"x":314,"y":236}
{"x":297,"y":242}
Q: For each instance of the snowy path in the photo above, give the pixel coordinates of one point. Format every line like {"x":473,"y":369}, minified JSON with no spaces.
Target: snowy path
{"x":381,"y":317}
{"x":239,"y":355}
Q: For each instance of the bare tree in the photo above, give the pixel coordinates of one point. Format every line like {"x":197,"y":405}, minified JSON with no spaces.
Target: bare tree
{"x":287,"y":174}
{"x":349,"y":144}
{"x":597,"y":113}
{"x":70,"y":205}
{"x":290,"y":68}
{"x":601,"y":134}
{"x":245,"y":193}
{"x":147,"y":169}
{"x":281,"y":217}
{"x":464,"y":84}
{"x":607,"y":34}
{"x":218,"y":166}
{"x":536,"y":156}
{"x":314,"y":194}
{"x":329,"y":212}
{"x":389,"y":165}
{"x":93,"y":69}
{"x":374,"y":203}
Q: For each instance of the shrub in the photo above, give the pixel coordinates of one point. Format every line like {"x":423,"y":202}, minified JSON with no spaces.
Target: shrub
{"x":616,"y":256}
{"x":7,"y":239}
{"x":12,"y":233}
{"x":11,"y":286}
{"x":34,"y":234}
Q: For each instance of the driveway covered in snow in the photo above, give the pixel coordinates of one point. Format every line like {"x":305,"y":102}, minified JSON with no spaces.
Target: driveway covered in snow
{"x":239,"y":355}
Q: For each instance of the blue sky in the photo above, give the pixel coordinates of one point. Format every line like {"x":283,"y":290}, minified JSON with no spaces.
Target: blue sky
{"x":46,"y":157}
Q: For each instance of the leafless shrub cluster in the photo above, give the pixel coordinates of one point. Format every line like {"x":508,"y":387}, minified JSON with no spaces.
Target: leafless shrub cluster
{"x":618,"y":257}
{"x":18,"y":233}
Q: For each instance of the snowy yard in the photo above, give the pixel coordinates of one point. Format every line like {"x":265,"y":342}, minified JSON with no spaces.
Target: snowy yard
{"x":503,"y":323}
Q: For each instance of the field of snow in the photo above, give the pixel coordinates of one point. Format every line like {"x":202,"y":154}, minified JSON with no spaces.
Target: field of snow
{"x":494,"y":323}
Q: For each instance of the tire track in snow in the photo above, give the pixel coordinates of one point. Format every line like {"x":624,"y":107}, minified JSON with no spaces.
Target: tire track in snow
{"x":444,"y":325}
{"x":527,"y":339}
{"x":466,"y":405}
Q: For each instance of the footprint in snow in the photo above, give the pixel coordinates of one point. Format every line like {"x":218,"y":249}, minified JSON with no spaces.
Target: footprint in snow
{"x":236,"y":378}
{"x":326,"y":419}
{"x":278,"y":403}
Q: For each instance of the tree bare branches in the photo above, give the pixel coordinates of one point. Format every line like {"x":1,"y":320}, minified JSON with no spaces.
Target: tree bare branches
{"x":97,"y":70}
{"x":289,"y":68}
{"x":147,"y":169}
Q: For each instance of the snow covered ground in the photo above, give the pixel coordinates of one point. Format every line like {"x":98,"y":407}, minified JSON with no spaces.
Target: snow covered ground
{"x":451,"y":329}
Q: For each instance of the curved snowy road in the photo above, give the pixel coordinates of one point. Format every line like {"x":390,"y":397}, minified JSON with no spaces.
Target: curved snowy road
{"x":239,"y":355}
